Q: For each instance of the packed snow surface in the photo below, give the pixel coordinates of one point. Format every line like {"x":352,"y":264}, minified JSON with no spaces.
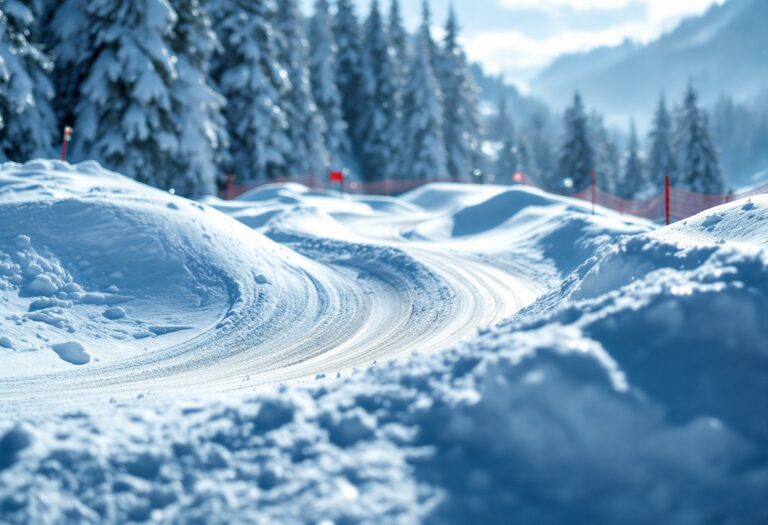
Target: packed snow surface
{"x":163,"y":360}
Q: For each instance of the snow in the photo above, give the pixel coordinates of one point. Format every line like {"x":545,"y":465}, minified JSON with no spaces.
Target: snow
{"x":554,"y":366}
{"x":72,"y":352}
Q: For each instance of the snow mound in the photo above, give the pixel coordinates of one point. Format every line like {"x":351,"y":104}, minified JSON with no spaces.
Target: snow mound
{"x":745,"y":221}
{"x":256,"y":208}
{"x":446,"y":197}
{"x":505,"y":211}
{"x":97,"y":268}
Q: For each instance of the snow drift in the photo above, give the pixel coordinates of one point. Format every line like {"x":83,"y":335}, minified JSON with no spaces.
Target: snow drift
{"x":96,"y":269}
{"x":629,"y":392}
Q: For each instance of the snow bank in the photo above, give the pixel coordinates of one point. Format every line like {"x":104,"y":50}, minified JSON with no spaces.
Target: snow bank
{"x":447,"y":197}
{"x":630,"y":393}
{"x":95,"y":268}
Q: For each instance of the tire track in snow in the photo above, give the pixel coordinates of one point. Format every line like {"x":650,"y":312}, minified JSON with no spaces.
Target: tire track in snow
{"x":361,"y":303}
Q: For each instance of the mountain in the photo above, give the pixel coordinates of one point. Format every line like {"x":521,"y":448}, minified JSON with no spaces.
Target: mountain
{"x":724,"y":51}
{"x":494,"y":87}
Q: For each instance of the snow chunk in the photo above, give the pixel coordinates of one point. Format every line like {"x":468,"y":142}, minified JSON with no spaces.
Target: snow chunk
{"x":114,"y":314}
{"x":42,"y":285}
{"x":72,"y":352}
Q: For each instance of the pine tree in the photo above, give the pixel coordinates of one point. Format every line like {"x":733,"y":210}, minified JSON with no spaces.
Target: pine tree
{"x":423,"y":112}
{"x":27,"y":122}
{"x":661,"y":158}
{"x":576,"y":158}
{"x":607,"y":163}
{"x":197,"y":107}
{"x":253,"y":82}
{"x":526,"y":161}
{"x":350,"y":71}
{"x":502,"y":128}
{"x":633,"y":178}
{"x":508,"y":162}
{"x":462,"y":121}
{"x":126,"y":116}
{"x":322,"y":64}
{"x":382,"y":139}
{"x":307,"y":154}
{"x":542,"y":154}
{"x":68,"y":35}
{"x":699,"y":167}
{"x":398,"y":36}
{"x":434,"y":53}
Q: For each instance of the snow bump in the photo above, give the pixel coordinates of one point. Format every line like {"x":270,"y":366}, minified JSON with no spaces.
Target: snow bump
{"x":72,"y":352}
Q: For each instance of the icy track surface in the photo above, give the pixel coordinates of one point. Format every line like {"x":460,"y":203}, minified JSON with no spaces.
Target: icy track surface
{"x":170,"y":361}
{"x":109,"y":288}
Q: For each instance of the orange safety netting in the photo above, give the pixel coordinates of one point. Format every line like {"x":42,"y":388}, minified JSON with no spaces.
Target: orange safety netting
{"x":672,"y":203}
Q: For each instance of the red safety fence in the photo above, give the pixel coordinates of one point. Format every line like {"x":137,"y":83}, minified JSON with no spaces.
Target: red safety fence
{"x":668,"y":205}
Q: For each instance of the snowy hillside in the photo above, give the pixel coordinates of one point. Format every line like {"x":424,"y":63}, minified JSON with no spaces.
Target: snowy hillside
{"x":165,"y":360}
{"x":721,"y":51}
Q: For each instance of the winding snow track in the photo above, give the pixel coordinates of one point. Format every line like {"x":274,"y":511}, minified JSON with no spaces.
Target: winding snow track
{"x":370,"y":299}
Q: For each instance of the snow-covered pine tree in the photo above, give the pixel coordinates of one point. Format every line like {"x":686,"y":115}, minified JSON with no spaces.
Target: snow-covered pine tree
{"x":323,"y":67}
{"x":435,"y":53}
{"x":67,"y":33}
{"x":460,"y":106}
{"x":507,"y":162}
{"x":607,"y":162}
{"x":253,"y":82}
{"x":27,"y":122}
{"x":661,"y":158}
{"x":398,"y":36}
{"x":399,"y":40}
{"x":423,"y":113}
{"x":306,"y":126}
{"x":576,"y":158}
{"x":699,"y":167}
{"x":502,"y":127}
{"x":542,"y":153}
{"x":526,"y":161}
{"x":126,"y":117}
{"x":633,"y":181}
{"x":197,"y":106}
{"x":383,"y":131}
{"x":349,"y":75}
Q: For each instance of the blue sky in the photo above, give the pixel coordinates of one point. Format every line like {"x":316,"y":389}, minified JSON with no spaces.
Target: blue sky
{"x":519,"y":37}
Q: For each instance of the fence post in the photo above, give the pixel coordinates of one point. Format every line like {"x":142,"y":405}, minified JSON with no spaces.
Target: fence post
{"x":66,"y":137}
{"x":667,"y":198}
{"x":594,"y":193}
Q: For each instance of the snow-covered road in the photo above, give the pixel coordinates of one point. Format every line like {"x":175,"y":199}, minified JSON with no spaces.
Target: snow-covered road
{"x":349,"y":287}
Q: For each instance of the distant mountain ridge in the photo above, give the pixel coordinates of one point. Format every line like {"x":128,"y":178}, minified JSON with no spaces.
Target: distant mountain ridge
{"x":724,"y":51}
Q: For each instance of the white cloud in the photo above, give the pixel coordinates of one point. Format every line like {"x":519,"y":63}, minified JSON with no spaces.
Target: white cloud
{"x":573,"y":4}
{"x":514,"y":51}
{"x":660,"y":7}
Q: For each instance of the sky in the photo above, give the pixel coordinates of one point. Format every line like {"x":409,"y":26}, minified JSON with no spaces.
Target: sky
{"x":520,"y":37}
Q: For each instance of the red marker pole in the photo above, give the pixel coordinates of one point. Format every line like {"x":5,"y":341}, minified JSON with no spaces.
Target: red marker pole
{"x":337,"y":177}
{"x":594,"y":193}
{"x":667,"y":198}
{"x":66,"y":137}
